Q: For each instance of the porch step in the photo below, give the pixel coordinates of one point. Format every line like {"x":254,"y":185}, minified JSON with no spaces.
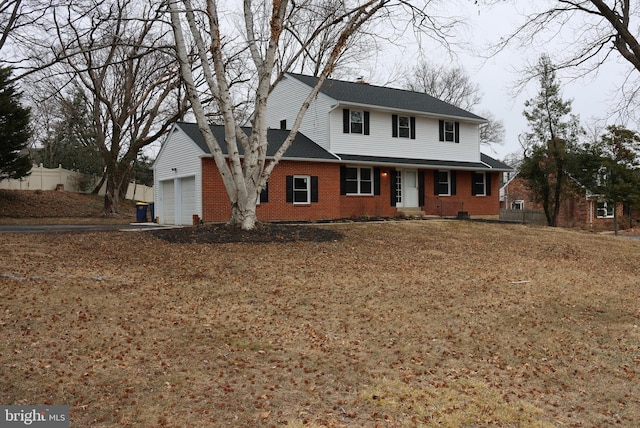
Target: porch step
{"x":410,"y":212}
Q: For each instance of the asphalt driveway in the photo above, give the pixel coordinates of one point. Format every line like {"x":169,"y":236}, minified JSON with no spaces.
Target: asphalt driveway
{"x":50,"y":228}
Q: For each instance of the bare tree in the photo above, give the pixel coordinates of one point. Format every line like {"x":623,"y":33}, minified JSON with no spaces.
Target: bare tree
{"x":600,"y":29}
{"x":111,"y":51}
{"x":259,"y":38}
{"x":454,"y":86}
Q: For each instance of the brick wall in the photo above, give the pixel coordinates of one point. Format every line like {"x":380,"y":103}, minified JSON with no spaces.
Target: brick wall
{"x":332,"y":205}
{"x":575,"y":211}
{"x":463,"y":200}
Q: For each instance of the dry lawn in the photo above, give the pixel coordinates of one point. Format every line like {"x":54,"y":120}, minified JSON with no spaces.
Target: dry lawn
{"x":425,"y":323}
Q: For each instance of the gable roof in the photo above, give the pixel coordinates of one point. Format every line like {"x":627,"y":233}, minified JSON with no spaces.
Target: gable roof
{"x":302,"y":147}
{"x":380,"y":96}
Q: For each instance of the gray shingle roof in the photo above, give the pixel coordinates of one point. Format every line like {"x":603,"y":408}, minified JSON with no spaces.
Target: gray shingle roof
{"x":302,"y":147}
{"x":487,"y":163}
{"x":361,"y":93}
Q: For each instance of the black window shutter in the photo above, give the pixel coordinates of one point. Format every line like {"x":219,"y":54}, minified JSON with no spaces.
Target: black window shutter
{"x":413,"y":127}
{"x":289,"y":188}
{"x":264,"y":195}
{"x":283,"y":124}
{"x":474,"y":176}
{"x":376,"y":181}
{"x":314,"y":188}
{"x":441,"y":132}
{"x":343,"y":180}
{"x":457,"y":127}
{"x":487,"y":177}
{"x":366,"y":123}
{"x":345,"y":121}
{"x":452,"y":176}
{"x":392,"y":187}
{"x":421,"y":188}
{"x":436,"y":177}
{"x":394,"y":125}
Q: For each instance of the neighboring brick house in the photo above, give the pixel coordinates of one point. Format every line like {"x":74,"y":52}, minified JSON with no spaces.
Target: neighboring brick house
{"x":362,"y":150}
{"x":579,"y":209}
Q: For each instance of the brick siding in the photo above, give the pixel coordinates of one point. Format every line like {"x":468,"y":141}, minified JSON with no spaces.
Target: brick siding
{"x":332,"y":205}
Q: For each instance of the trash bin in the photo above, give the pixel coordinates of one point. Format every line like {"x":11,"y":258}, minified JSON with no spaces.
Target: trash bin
{"x":141,"y":211}
{"x":152,"y":211}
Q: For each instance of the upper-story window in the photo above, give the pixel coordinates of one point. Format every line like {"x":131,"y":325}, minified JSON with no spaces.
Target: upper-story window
{"x":403,"y":126}
{"x":450,"y":131}
{"x":355,"y":121}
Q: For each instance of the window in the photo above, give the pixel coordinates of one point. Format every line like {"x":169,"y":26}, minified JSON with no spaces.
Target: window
{"x":517,"y":205}
{"x":302,"y":189}
{"x":403,"y":126}
{"x":481,"y":184}
{"x":604,"y":209}
{"x":449,"y":131}
{"x":444,"y":183}
{"x":398,"y":187}
{"x":478,"y":185}
{"x":355,"y":121}
{"x":359,"y":181}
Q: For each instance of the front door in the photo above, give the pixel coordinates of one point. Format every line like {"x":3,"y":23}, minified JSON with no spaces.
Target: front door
{"x":410,"y":188}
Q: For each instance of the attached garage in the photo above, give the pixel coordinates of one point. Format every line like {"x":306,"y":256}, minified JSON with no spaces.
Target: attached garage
{"x":187,"y":199}
{"x":177,"y":176}
{"x":168,"y":205}
{"x":178,"y":200}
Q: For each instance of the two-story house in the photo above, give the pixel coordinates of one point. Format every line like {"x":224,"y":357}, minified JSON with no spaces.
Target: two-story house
{"x":362,"y":150}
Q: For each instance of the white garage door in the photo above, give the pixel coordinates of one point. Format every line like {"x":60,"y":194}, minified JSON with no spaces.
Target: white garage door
{"x":188,"y":200}
{"x":168,"y":202}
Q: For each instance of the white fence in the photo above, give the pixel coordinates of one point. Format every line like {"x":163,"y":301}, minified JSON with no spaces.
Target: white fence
{"x":42,"y":178}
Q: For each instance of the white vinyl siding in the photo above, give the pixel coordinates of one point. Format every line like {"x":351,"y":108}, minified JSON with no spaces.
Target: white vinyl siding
{"x":179,"y":161}
{"x":285,"y":102}
{"x":426,"y":145}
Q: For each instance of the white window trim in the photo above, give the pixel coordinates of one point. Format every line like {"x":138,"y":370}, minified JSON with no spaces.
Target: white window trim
{"x":519,"y":202}
{"x":452,"y":132}
{"x":448,"y":183}
{"x":407,"y":128}
{"x":606,"y":210}
{"x":484,"y":183}
{"x":308,"y":189}
{"x":352,"y":122}
{"x":359,"y":181}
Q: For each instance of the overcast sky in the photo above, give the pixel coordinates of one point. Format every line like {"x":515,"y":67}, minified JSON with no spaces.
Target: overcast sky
{"x":594,"y":97}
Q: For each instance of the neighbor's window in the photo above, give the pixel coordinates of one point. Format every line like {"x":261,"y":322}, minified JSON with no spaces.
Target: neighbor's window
{"x":604,"y":209}
{"x":479,"y":184}
{"x":443,"y":184}
{"x":301,"y":189}
{"x":359,"y":181}
{"x":517,"y":205}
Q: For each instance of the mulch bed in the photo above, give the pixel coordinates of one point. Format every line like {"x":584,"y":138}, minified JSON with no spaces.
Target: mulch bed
{"x":263,"y":232}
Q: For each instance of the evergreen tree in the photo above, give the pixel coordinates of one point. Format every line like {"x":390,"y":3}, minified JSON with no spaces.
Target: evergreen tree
{"x":610,"y":168}
{"x":550,"y":143}
{"x":15,"y":161}
{"x":71,"y":142}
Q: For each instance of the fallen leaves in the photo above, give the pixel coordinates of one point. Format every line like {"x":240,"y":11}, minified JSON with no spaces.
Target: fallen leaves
{"x":436,"y":326}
